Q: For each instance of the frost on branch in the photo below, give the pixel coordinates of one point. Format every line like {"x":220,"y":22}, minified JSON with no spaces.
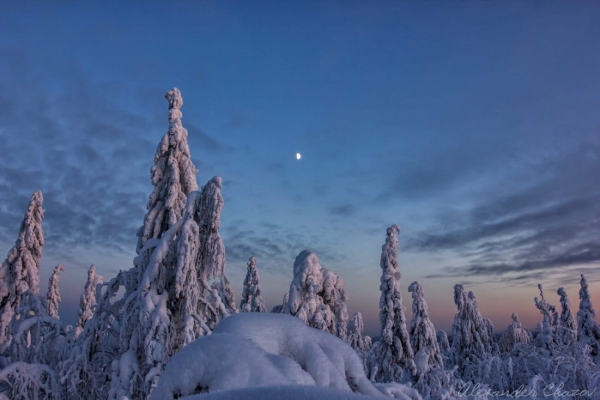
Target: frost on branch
{"x":361,"y":344}
{"x":29,"y":381}
{"x":422,"y":333}
{"x":471,"y":333}
{"x":392,"y":354}
{"x":20,"y":271}
{"x":53,"y":296}
{"x":567,"y":327}
{"x":84,"y":369}
{"x":515,"y":333}
{"x":36,"y":337}
{"x":587,"y":329}
{"x":547,"y":328}
{"x":88,"y":299}
{"x":317,"y":296}
{"x":173,"y":176}
{"x":251,"y":296}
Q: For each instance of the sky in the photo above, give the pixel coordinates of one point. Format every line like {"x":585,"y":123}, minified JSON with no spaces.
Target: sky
{"x":473,"y":125}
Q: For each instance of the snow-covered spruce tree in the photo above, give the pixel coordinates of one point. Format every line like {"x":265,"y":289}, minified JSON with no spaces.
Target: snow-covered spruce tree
{"x":588,"y":331}
{"x":567,"y":327}
{"x":422,"y":332}
{"x":547,"y":328}
{"x":317,"y":296}
{"x":175,"y":302}
{"x":87,"y":301}
{"x":36,"y":337}
{"x":279,"y":308}
{"x":361,"y":344}
{"x":89,"y":358}
{"x":173,"y":176}
{"x":20,"y":271}
{"x":53,"y":296}
{"x":471,"y":340}
{"x":392,"y":354}
{"x":515,"y":333}
{"x":251,"y":299}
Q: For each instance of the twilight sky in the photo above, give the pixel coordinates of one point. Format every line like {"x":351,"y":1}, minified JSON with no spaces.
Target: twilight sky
{"x":475,"y":126}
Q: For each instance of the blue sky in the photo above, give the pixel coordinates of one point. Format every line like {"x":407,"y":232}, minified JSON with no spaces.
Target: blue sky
{"x":472,"y":125}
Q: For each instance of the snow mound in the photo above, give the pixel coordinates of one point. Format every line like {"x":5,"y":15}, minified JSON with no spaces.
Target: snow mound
{"x":221,"y":362}
{"x":281,"y":392}
{"x":329,"y":360}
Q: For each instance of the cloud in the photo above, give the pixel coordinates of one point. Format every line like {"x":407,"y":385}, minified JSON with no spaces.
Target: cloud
{"x":343,"y":210}
{"x":198,"y":138}
{"x":274,"y":246}
{"x":546,"y":220}
{"x":83,"y":148}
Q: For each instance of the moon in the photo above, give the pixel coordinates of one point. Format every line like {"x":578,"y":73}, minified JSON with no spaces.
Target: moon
{"x":298,"y":156}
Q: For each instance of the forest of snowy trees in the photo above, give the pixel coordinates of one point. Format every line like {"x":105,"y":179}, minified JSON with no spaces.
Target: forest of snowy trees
{"x":170,"y":326}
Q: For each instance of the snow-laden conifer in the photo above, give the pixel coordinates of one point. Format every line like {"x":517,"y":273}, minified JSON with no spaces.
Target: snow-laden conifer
{"x":173,"y":176}
{"x":361,"y":344}
{"x":392,"y":354}
{"x":515,"y":333}
{"x":471,"y":339}
{"x":588,"y":331}
{"x":20,"y":271}
{"x":567,"y":326}
{"x":317,"y":296}
{"x":251,"y":295}
{"x":87,"y":301}
{"x":92,"y":357}
{"x":35,"y":336}
{"x":280,"y":308}
{"x":53,"y":295}
{"x":182,"y":293}
{"x":547,"y":328}
{"x":422,"y":332}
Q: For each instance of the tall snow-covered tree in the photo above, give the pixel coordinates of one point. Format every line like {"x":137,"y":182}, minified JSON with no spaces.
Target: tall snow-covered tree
{"x":471,"y":333}
{"x":175,"y":302}
{"x":515,"y":333}
{"x":422,"y":332}
{"x":549,"y":324}
{"x":20,"y":271}
{"x":392,"y":354}
{"x":93,"y":355}
{"x":361,"y":344}
{"x":251,"y":295}
{"x":317,"y":296}
{"x":173,"y":176}
{"x":53,"y":296}
{"x":588,"y":331}
{"x":88,"y":299}
{"x":567,"y":327}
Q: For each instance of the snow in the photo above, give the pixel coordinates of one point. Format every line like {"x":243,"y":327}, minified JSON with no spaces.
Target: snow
{"x":175,"y":331}
{"x":88,"y":299}
{"x":19,"y":273}
{"x":282,"y":392}
{"x":223,"y":361}
{"x":329,"y":360}
{"x":53,"y":296}
{"x":252,"y":300}
{"x":317,"y":296}
{"x":392,"y":354}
